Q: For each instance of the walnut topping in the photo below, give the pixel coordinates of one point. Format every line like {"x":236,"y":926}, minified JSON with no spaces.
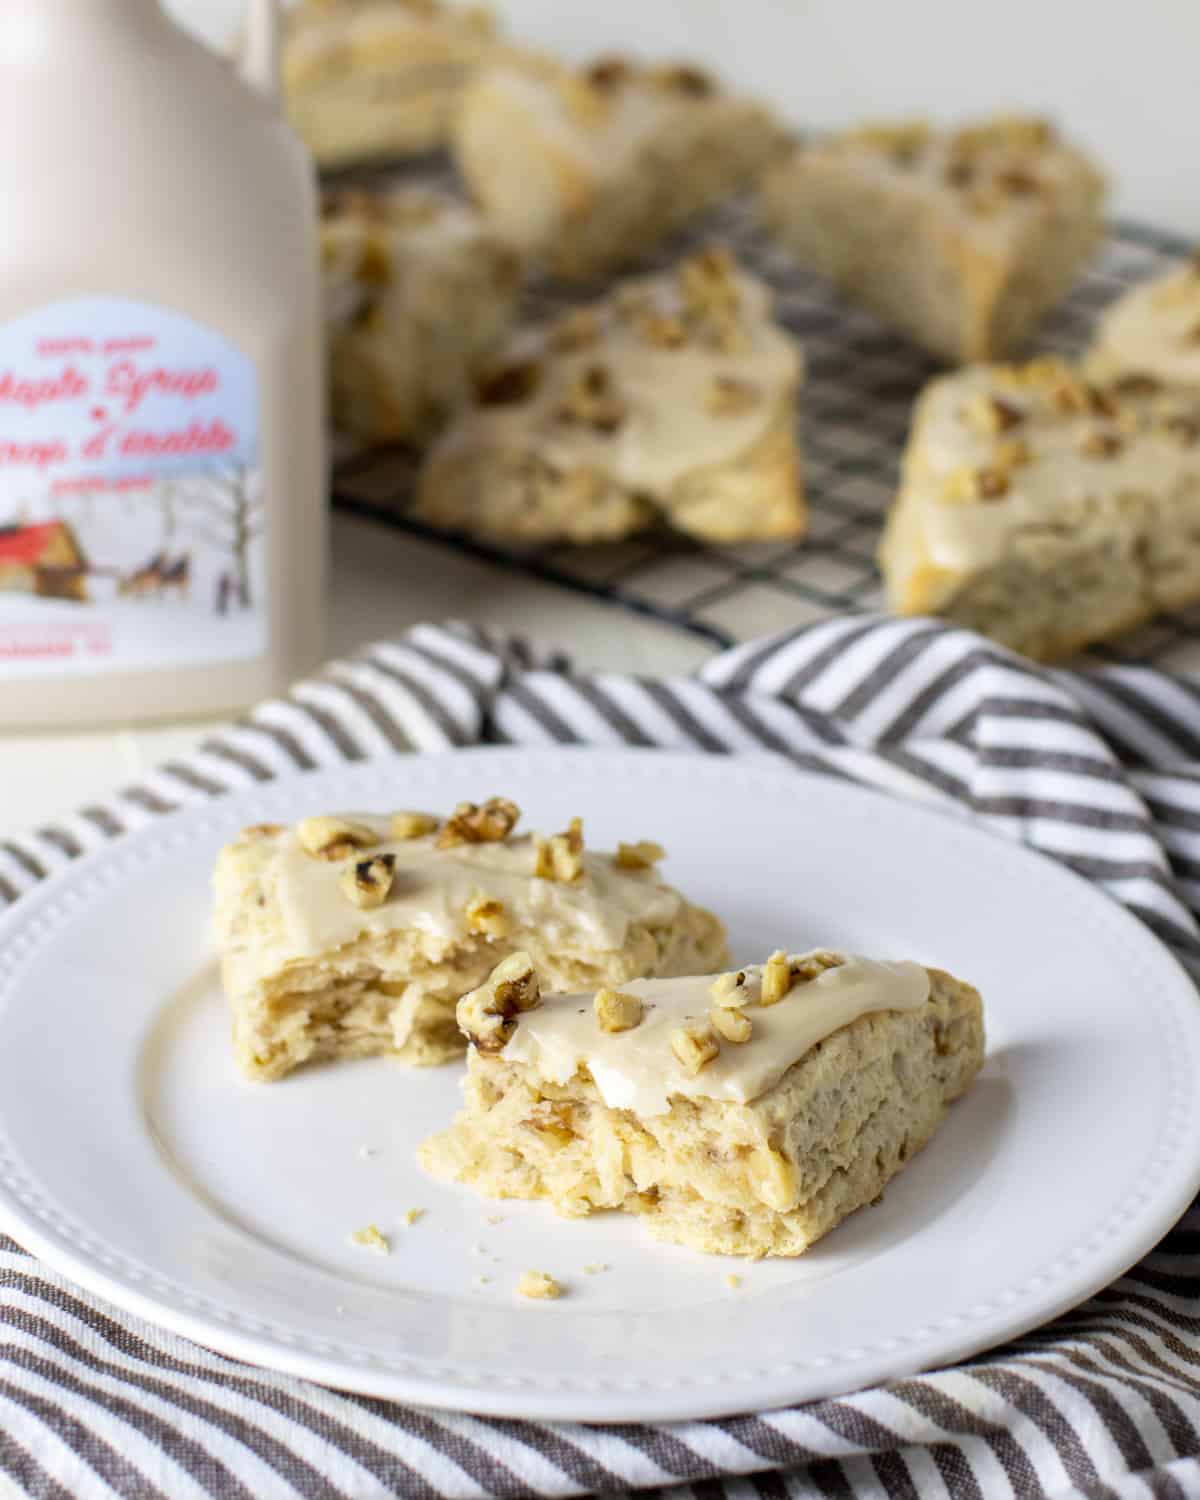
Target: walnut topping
{"x":334,"y":838}
{"x":640,"y":856}
{"x":617,"y":1011}
{"x":661,"y":331}
{"x":609,"y":72}
{"x":560,"y":857}
{"x":959,"y":174}
{"x":813,"y":965}
{"x":1135,"y":384}
{"x":489,"y":917}
{"x":1013,"y":453}
{"x":681,"y":78}
{"x":903,"y":141}
{"x":578,"y":329}
{"x":539,"y":1285}
{"x":509,"y":385}
{"x":729,"y":989}
{"x":966,"y":485}
{"x":471,"y":824}
{"x":1101,"y":444}
{"x":554,"y":1119}
{"x":488,"y":1016}
{"x":368,"y":882}
{"x":1018,"y":183}
{"x":988,"y":415}
{"x":1015,"y":132}
{"x":590,"y":398}
{"x":776,"y":978}
{"x":412,"y":825}
{"x":708,"y":284}
{"x":695,"y":1046}
{"x":731,"y":1023}
{"x":728,"y":397}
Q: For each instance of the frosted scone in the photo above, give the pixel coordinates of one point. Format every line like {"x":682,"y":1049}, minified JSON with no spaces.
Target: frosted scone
{"x":1153,"y":331}
{"x":352,"y":935}
{"x":418,"y":293}
{"x":379,"y":78}
{"x":1044,"y":511}
{"x":588,"y":171}
{"x":742,"y":1114}
{"x":673,"y":397}
{"x":960,"y":240}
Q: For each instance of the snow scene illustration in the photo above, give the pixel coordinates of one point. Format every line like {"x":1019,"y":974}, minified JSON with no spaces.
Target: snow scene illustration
{"x":131,"y":502}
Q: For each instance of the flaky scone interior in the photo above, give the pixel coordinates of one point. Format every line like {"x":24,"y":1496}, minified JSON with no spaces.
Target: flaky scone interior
{"x":351,"y":935}
{"x":743,"y":1113}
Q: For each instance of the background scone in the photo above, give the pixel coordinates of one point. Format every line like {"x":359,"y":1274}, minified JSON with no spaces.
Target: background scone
{"x":352,"y":935}
{"x":1044,"y":511}
{"x":673,"y":396}
{"x":419,"y":292}
{"x":590,"y":170}
{"x":379,"y":78}
{"x":1153,"y":330}
{"x":743,"y":1114}
{"x":960,"y":239}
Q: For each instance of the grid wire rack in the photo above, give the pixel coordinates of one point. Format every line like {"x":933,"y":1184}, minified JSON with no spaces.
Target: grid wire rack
{"x":853,"y":417}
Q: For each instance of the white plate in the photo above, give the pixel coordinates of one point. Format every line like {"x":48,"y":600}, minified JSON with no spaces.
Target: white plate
{"x":135,"y":1160}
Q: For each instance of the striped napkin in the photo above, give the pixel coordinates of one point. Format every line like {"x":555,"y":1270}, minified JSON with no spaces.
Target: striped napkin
{"x":1100,"y":770}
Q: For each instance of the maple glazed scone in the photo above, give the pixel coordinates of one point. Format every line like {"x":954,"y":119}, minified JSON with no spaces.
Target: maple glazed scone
{"x":1045,"y":511}
{"x":1153,"y":330}
{"x":590,"y":170}
{"x":960,"y":239}
{"x":741,"y":1114}
{"x":419,"y":292}
{"x":379,"y":78}
{"x":674,"y":396}
{"x":356,"y":934}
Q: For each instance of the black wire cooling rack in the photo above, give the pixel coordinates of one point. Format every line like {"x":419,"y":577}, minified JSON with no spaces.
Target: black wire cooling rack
{"x":858,"y":394}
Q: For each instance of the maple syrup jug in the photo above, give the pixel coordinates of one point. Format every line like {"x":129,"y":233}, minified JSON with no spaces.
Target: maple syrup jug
{"x":162,"y":463}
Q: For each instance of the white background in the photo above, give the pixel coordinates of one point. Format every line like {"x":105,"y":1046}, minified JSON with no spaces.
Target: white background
{"x":1125,"y":80}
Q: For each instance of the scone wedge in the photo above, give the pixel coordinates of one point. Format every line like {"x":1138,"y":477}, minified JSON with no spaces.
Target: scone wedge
{"x":589,"y":171}
{"x":673,"y":397}
{"x":1046,"y":511}
{"x":1153,"y":331}
{"x":419,"y":293}
{"x":961,"y":240}
{"x":350,"y":935}
{"x":741,"y":1114}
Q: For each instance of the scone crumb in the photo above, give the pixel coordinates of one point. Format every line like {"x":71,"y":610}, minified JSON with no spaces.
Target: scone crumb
{"x":495,"y":1218}
{"x":471,"y":823}
{"x":489,"y":917}
{"x":413,"y":825}
{"x":368,"y":882}
{"x":560,"y":857}
{"x":776,"y":978}
{"x":411,"y":1215}
{"x":482,"y":1280}
{"x":617,"y":1011}
{"x":733,"y":1281}
{"x":594,"y":1267}
{"x":488,"y":1016}
{"x":370,"y":1238}
{"x":732,"y":1024}
{"x":695,"y":1046}
{"x":334,"y":838}
{"x":640,"y":856}
{"x":539,"y":1285}
{"x":367,"y":1152}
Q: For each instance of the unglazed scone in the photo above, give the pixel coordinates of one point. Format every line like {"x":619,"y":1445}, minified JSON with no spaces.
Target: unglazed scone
{"x":419,"y":292}
{"x":588,"y":171}
{"x":1153,"y":330}
{"x":741,"y":1114}
{"x":672,"y":397}
{"x":1045,"y":511}
{"x":370,"y":79}
{"x":350,"y":935}
{"x":960,"y":240}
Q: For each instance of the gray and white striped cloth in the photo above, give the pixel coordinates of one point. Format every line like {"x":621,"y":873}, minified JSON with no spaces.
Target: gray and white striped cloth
{"x":1100,"y":770}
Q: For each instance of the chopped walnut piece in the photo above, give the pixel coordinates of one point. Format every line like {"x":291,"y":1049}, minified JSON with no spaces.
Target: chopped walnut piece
{"x":681,"y":78}
{"x":470,"y":823}
{"x":489,"y":917}
{"x":1017,"y":182}
{"x":731,"y":1023}
{"x":1136,"y":384}
{"x":539,"y":1285}
{"x":508,"y":385}
{"x":903,"y":140}
{"x":729,"y":989}
{"x":776,"y":978}
{"x":609,"y":72}
{"x":488,"y":1016}
{"x":578,"y":329}
{"x":695,"y":1046}
{"x":813,"y":965}
{"x":591,"y":399}
{"x":640,"y":856}
{"x":371,"y":1239}
{"x":661,"y":330}
{"x":991,"y":483}
{"x":368,"y":882}
{"x":334,"y":838}
{"x":989,"y":415}
{"x":959,"y":174}
{"x":707,"y":282}
{"x":1017,"y":132}
{"x":617,"y":1011}
{"x":554,"y":1119}
{"x":413,"y":825}
{"x":560,"y":857}
{"x":728,"y":397}
{"x":1101,"y":444}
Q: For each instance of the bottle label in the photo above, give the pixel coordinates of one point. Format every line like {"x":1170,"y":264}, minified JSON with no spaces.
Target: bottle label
{"x":131,"y":505}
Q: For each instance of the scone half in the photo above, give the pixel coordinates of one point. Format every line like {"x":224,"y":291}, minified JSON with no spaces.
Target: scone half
{"x":739,"y":1114}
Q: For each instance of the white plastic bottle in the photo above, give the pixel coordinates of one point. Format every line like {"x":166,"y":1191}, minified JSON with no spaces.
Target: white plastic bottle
{"x":162,"y":464}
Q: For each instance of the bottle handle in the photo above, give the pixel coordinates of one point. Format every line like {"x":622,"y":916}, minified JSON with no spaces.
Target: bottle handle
{"x":260,"y":54}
